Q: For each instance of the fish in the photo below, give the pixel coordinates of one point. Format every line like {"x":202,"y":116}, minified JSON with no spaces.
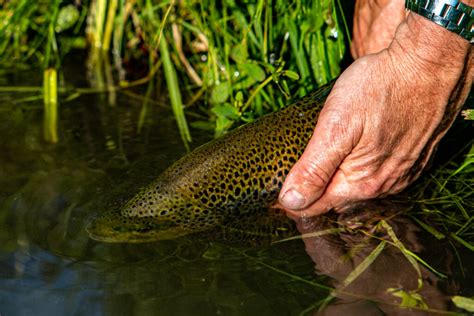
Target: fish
{"x":230,"y":179}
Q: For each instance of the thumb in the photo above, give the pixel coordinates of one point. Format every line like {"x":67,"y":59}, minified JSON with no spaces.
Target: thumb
{"x":330,"y":144}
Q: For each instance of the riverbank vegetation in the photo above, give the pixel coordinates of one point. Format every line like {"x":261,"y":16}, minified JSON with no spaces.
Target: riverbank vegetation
{"x":238,"y":59}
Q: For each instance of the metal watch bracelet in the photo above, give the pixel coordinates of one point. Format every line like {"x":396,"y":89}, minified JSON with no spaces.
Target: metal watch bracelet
{"x":453,"y":15}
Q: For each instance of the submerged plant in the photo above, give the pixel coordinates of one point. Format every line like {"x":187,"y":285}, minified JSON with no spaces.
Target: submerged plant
{"x":445,"y":200}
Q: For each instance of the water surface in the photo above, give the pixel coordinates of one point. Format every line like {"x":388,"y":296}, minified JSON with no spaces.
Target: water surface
{"x":49,"y":266}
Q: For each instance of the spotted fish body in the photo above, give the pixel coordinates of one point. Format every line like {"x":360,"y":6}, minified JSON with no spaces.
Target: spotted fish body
{"x":232,"y":177}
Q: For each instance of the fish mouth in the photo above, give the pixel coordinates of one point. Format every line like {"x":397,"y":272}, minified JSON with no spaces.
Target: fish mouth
{"x":108,"y":230}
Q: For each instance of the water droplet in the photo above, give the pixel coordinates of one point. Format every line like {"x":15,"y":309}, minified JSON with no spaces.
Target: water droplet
{"x":272,"y":58}
{"x":203,"y":57}
{"x":334,"y":33}
{"x":236,"y":74}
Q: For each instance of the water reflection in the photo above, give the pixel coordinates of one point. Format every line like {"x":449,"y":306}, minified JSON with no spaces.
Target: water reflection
{"x":379,"y":289}
{"x":48,"y":265}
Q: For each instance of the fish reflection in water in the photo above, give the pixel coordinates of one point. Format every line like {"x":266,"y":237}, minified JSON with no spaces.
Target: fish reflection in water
{"x":337,"y":255}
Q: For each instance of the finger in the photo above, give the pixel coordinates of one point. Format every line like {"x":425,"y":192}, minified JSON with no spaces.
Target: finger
{"x":332,"y":141}
{"x":343,"y":192}
{"x":337,"y":196}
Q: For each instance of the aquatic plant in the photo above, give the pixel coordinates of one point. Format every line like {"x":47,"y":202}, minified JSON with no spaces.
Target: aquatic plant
{"x":446,"y":199}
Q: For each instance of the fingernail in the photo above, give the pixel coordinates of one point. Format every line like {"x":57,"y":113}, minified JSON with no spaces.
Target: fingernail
{"x":293,"y":200}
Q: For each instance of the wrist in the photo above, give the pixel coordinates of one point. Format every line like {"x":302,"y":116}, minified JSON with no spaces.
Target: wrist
{"x":428,"y":48}
{"x":431,"y":43}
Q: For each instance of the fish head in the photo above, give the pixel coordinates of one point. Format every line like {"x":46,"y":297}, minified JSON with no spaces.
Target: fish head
{"x":114,"y":227}
{"x":151,"y":216}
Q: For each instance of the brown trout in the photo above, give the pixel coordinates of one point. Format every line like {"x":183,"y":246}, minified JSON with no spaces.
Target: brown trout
{"x":229,"y":178}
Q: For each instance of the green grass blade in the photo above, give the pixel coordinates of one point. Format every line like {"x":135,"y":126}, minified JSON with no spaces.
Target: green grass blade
{"x":466,"y":303}
{"x":109,"y":25}
{"x":436,"y":233}
{"x":363,"y":265}
{"x":463,"y":242}
{"x":411,"y":256}
{"x":50,"y":97}
{"x":174,"y":93}
{"x":320,"y":233}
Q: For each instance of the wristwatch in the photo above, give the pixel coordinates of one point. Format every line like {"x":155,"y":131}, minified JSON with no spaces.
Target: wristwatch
{"x":453,"y":15}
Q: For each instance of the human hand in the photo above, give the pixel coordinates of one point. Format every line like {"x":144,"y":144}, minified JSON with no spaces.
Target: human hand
{"x":375,"y":23}
{"x":382,"y":120}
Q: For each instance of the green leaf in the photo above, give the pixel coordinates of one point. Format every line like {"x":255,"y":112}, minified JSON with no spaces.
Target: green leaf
{"x":208,"y":77}
{"x":285,"y":88}
{"x":291,"y":74}
{"x":239,"y":53}
{"x":239,"y":100}
{"x":253,"y":71}
{"x":247,"y":117}
{"x":222,"y":125}
{"x":203,"y":125}
{"x":225,"y":110}
{"x":468,"y":114}
{"x":67,"y":17}
{"x":466,"y":303}
{"x":409,"y":299}
{"x":220,"y":93}
{"x":249,"y":74}
{"x":226,"y":116}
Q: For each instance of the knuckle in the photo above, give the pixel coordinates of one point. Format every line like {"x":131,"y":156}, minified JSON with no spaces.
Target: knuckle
{"x":383,"y":184}
{"x":336,"y":122}
{"x":315,"y":175}
{"x":372,"y":188}
{"x":399,"y":187}
{"x":341,"y":132}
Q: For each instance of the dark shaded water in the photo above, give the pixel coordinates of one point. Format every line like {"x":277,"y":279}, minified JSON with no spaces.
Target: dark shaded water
{"x":49,"y":266}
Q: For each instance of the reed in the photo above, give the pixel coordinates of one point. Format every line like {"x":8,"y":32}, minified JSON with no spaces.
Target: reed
{"x":50,"y":100}
{"x":174,"y":93}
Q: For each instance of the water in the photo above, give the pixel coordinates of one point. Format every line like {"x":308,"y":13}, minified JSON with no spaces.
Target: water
{"x":49,"y":266}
